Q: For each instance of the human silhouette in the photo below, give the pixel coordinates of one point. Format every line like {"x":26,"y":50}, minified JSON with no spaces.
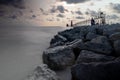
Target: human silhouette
{"x":92,"y":21}
{"x":67,"y":25}
{"x":71,"y":23}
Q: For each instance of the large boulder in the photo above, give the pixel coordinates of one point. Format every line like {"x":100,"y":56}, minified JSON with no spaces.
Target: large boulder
{"x":89,"y":56}
{"x":59,"y":57}
{"x":117,"y":48}
{"x":97,"y":47}
{"x":96,"y":71}
{"x":99,"y":44}
{"x":42,"y":72}
{"x":57,"y":41}
{"x":72,"y":34}
{"x":74,"y":45}
{"x":115,"y":36}
{"x":111,"y":29}
{"x":102,"y":40}
{"x":91,"y":35}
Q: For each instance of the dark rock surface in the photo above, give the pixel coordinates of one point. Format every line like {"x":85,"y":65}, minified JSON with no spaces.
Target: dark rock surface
{"x":91,"y":35}
{"x":93,"y":49}
{"x":97,"y":71}
{"x":117,"y":47}
{"x":89,"y":56}
{"x":115,"y":36}
{"x":58,"y":57}
{"x":58,"y":40}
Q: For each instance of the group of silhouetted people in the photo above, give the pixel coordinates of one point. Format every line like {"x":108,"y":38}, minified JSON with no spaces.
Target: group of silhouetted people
{"x":92,"y":22}
{"x":70,"y":25}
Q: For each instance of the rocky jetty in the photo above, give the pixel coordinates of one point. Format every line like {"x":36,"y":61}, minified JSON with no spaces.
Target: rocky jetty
{"x":93,"y":52}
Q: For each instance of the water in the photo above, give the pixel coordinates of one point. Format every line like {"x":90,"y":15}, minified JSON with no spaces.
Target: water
{"x":21,"y":49}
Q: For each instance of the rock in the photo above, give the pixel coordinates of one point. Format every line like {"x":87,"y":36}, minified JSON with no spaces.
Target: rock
{"x":57,"y":41}
{"x":42,"y":72}
{"x":99,"y":44}
{"x":72,"y":34}
{"x":97,"y":47}
{"x":97,"y":71}
{"x":74,"y":46}
{"x":115,"y":36}
{"x":59,"y":57}
{"x":111,"y":29}
{"x":89,"y":56}
{"x":91,"y":35}
{"x":77,"y":32}
{"x":76,"y":43}
{"x":117,"y":48}
{"x":102,"y":40}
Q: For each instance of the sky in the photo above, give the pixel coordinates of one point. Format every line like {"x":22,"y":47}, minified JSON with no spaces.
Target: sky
{"x":56,"y":12}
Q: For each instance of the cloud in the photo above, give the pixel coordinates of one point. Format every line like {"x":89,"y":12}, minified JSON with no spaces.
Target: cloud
{"x":60,"y":15}
{"x":112,"y":16}
{"x":75,"y":1}
{"x":58,"y":8}
{"x":61,"y":9}
{"x":58,"y":19}
{"x":72,"y":12}
{"x":78,"y":12}
{"x":53,"y":9}
{"x":13,"y":17}
{"x":49,"y":19}
{"x":33,"y":16}
{"x":115,"y":7}
{"x":15,"y":3}
{"x":92,"y":4}
{"x":91,"y":13}
{"x":41,"y":9}
{"x":80,"y":17}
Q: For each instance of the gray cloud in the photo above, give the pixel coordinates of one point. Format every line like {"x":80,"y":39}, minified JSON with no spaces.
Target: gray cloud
{"x":41,"y":9}
{"x":80,"y":17}
{"x":34,"y":16}
{"x":61,"y":9}
{"x":72,"y":12}
{"x":58,"y":8}
{"x":58,"y":19}
{"x":78,"y":12}
{"x":91,"y":13}
{"x":13,"y":17}
{"x":49,"y":19}
{"x":75,"y":1}
{"x":60,"y":15}
{"x":115,"y":7}
{"x":112,"y":16}
{"x":92,"y":4}
{"x":53,"y":9}
{"x":15,"y":3}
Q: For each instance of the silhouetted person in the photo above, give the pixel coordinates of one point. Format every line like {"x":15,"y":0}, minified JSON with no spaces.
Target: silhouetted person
{"x":67,"y":25}
{"x":92,"y":21}
{"x":71,"y":23}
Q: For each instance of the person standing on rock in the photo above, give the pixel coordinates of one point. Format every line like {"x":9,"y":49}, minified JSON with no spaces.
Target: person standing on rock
{"x":92,"y":22}
{"x":71,"y":23}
